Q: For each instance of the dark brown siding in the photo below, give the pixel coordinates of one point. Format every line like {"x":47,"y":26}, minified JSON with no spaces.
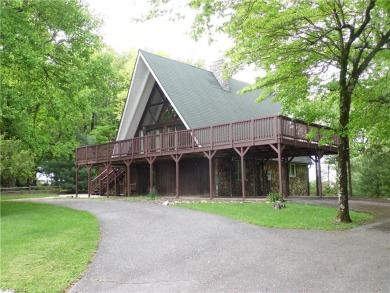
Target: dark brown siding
{"x":194,"y":176}
{"x":142,"y":173}
{"x":166,"y":178}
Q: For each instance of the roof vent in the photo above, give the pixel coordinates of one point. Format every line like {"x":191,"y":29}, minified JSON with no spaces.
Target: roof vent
{"x":217,"y":67}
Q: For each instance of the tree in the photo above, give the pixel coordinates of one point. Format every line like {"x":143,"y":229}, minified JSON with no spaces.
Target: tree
{"x":16,"y":163}
{"x":371,"y":177}
{"x":322,"y":57}
{"x":58,"y":84}
{"x":47,"y":72}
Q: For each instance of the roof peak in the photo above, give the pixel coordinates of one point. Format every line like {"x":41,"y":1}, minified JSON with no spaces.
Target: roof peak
{"x":198,"y":68}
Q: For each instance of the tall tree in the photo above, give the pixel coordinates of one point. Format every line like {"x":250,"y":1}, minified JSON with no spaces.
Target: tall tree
{"x":46,"y":48}
{"x":16,"y":163}
{"x":54,"y":75}
{"x":319,"y":55}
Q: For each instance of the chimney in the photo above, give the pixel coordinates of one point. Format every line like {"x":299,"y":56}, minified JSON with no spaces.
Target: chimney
{"x":217,"y":68}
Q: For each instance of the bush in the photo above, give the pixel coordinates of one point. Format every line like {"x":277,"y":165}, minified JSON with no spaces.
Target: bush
{"x":152,"y":195}
{"x":277,"y":200}
{"x":275,"y":197}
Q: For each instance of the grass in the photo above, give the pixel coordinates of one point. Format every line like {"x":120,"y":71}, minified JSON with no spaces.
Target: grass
{"x":44,"y":248}
{"x":26,"y":195}
{"x":294,"y":216}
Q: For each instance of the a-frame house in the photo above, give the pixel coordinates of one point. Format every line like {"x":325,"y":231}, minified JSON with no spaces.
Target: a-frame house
{"x":186,"y":131}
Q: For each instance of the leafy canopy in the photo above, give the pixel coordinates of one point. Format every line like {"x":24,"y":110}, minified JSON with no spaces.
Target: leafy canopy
{"x":325,"y":60}
{"x":47,"y":72}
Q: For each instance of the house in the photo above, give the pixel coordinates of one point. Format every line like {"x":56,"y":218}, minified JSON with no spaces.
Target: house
{"x":186,"y":131}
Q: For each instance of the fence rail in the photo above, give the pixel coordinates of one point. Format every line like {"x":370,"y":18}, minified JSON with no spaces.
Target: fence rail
{"x":249,"y":132}
{"x":29,"y":190}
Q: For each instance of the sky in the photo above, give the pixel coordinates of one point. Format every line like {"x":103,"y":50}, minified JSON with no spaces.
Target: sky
{"x":158,"y":35}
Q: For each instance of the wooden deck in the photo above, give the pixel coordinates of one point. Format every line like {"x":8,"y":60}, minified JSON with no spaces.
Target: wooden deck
{"x":268,"y":131}
{"x":268,"y":137}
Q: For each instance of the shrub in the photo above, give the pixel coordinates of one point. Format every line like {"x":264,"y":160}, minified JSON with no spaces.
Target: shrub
{"x":275,"y":197}
{"x":277,"y":200}
{"x":152,"y":195}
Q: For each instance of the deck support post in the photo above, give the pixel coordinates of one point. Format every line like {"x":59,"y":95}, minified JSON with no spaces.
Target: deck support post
{"x":317,"y":164}
{"x":287,"y":174}
{"x":210,"y":155}
{"x":315,"y":160}
{"x":279,"y":150}
{"x":319,"y":156}
{"x":107,"y":165}
{"x":319,"y":177}
{"x":231,"y":176}
{"x":150,"y":161}
{"x":116,"y":171}
{"x":177,"y":158}
{"x":316,"y":167}
{"x":77,"y":180}
{"x":255,"y":175}
{"x":89,"y":167}
{"x":128,"y":186}
{"x":241,"y":151}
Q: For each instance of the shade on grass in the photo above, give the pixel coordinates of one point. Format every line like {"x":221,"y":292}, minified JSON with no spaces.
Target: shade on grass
{"x":44,"y":248}
{"x":294,"y":216}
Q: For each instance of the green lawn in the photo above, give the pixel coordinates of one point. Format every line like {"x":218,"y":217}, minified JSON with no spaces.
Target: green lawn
{"x":26,"y":195}
{"x":44,"y":248}
{"x":294,"y":216}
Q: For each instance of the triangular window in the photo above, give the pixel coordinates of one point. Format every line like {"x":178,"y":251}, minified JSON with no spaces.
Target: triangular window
{"x":159,"y":115}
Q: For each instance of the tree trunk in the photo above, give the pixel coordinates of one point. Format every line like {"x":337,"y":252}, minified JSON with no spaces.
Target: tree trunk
{"x":343,"y":211}
{"x":345,"y":104}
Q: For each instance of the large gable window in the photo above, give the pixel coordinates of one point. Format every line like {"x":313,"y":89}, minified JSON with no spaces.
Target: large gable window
{"x":159,"y":115}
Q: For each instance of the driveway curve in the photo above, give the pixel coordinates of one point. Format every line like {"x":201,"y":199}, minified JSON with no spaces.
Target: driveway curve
{"x":146,"y":247}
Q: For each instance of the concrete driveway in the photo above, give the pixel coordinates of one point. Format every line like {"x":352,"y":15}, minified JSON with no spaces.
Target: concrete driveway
{"x":146,"y":247}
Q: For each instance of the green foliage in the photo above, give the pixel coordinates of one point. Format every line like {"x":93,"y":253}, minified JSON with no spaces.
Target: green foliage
{"x":276,"y":200}
{"x":371,"y":173}
{"x":328,"y":188}
{"x":153,"y":194}
{"x":325,"y":60}
{"x":17,"y":163}
{"x":45,"y":72}
{"x":62,"y":175}
{"x":44,"y":248}
{"x":60,"y":88}
{"x":275,"y":197}
{"x":296,"y":216}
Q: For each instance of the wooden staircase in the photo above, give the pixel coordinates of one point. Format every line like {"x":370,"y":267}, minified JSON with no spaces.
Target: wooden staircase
{"x":99,"y":184}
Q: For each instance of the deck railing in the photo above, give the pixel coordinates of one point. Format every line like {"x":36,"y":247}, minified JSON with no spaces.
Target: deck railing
{"x":250,"y":132}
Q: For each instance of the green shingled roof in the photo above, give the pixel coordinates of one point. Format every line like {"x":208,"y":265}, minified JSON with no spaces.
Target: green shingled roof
{"x":200,"y":99}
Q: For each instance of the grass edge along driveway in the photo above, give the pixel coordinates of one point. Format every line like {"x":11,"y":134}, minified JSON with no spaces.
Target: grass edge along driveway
{"x":294,"y":216}
{"x":44,"y":248}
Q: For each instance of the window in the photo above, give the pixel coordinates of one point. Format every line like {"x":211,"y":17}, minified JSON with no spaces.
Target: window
{"x":292,"y":170}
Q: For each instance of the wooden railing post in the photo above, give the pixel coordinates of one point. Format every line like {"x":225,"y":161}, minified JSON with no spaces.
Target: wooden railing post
{"x":253,"y":130}
{"x":211,"y":136}
{"x":295,"y":130}
{"x":276,"y":128}
{"x":192,"y":140}
{"x":231,"y":134}
{"x":176,"y":141}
